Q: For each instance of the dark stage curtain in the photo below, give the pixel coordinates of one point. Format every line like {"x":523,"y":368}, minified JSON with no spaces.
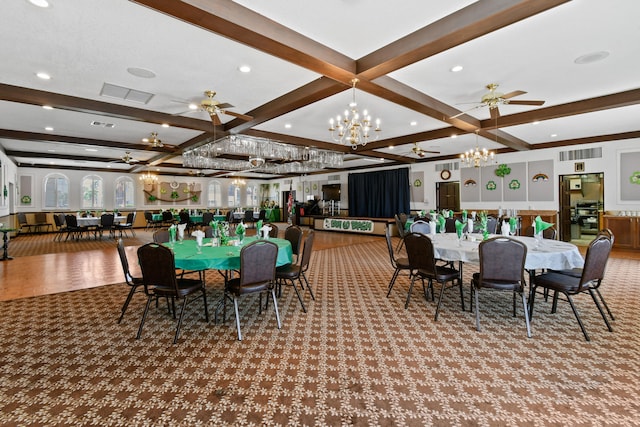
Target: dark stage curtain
{"x":380,"y":194}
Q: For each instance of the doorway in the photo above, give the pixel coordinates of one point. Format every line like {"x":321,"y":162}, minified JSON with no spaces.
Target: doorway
{"x":581,"y":207}
{"x":448,"y":195}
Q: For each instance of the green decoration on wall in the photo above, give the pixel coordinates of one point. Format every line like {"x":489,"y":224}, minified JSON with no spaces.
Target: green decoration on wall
{"x":514,"y":184}
{"x":503,"y":170}
{"x":491,"y":185}
{"x":635,"y":178}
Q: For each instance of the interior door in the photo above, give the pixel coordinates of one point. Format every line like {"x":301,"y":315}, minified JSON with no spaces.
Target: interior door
{"x":565,"y":210}
{"x":448,"y":194}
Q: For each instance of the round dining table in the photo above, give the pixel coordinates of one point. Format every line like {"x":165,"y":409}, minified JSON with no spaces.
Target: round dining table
{"x":221,"y":257}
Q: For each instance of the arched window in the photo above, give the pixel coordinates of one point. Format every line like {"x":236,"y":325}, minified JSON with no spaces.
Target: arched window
{"x":125,"y":191}
{"x":56,"y":191}
{"x":252,"y":195}
{"x":214,"y":194}
{"x":91,"y":192}
{"x":234,"y":195}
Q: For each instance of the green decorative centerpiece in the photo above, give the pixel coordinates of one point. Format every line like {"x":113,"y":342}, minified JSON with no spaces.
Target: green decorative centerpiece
{"x":483,"y":225}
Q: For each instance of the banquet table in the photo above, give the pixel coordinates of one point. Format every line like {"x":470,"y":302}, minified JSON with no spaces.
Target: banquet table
{"x":222,"y":257}
{"x":545,"y":253}
{"x":95,"y":220}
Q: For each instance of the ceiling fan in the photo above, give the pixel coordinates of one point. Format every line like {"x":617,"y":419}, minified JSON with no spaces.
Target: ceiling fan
{"x":215,"y":108}
{"x":155,"y":142}
{"x":493,"y":99}
{"x":419,"y":151}
{"x":127,"y":158}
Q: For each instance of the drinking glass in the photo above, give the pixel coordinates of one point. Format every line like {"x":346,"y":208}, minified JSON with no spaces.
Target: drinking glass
{"x":199,"y":245}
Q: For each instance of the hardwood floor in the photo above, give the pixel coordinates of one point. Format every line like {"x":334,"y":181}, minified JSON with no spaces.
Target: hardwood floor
{"x":29,"y":276}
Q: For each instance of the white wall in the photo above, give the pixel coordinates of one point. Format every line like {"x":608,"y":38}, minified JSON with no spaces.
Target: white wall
{"x":608,"y":165}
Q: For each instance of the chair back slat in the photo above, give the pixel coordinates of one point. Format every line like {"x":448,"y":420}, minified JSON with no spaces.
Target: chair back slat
{"x":293,"y":234}
{"x":306,"y":252}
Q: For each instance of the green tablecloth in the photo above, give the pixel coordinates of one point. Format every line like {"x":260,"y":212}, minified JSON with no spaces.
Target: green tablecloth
{"x":196,"y":219}
{"x":222,"y":257}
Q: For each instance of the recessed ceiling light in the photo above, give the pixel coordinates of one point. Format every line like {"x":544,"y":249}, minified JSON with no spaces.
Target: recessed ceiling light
{"x":413,"y":123}
{"x":454,"y":136}
{"x":553,"y":135}
{"x":47,"y":107}
{"x":244,"y":69}
{"x":165,"y":125}
{"x":456,"y":68}
{"x":108,"y":166}
{"x":591,"y":57}
{"x":141,"y":72}
{"x":51,"y":151}
{"x":391,"y":147}
{"x":52,"y":163}
{"x":49,"y":128}
{"x":193,"y":106}
{"x":39,"y":3}
{"x":536,"y":123}
{"x":90,"y":149}
{"x":287,"y":125}
{"x":145,"y":139}
{"x":44,"y":76}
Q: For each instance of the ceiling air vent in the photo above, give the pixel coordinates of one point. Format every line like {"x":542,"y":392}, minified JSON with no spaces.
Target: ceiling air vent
{"x":128,"y":94}
{"x":333,"y":178}
{"x":102,"y":124}
{"x":587,"y":153}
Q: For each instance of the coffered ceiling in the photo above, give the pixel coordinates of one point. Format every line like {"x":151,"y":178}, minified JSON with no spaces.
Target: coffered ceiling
{"x":580,"y":57}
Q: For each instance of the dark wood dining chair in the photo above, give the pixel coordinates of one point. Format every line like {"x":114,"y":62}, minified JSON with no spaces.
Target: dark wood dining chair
{"x":290,"y":273}
{"x":399,"y":264}
{"x":160,"y":281}
{"x":293,"y":234}
{"x":257,"y":275}
{"x":135,"y":283}
{"x":501,"y":268}
{"x":589,"y":281}
{"x":423,"y":266}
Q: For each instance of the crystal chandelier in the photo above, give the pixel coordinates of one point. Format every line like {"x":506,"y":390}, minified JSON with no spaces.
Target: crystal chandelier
{"x":264,"y":155}
{"x":148,"y":178}
{"x":353,"y":129}
{"x":478,"y":157}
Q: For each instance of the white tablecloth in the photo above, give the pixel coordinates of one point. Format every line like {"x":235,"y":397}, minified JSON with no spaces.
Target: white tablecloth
{"x":93,"y":221}
{"x":552,"y":254}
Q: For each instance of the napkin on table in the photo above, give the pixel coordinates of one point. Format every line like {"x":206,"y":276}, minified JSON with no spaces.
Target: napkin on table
{"x":459,"y":228}
{"x":441,"y":223}
{"x":199,"y":235}
{"x":181,"y":228}
{"x":464,"y":215}
{"x":469,"y":225}
{"x":513,"y":223}
{"x":541,"y":225}
{"x":432,"y":227}
{"x":505,"y":228}
{"x":265,"y":231}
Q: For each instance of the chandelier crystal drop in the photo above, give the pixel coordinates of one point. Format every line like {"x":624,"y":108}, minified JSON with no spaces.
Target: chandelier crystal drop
{"x":354,"y":129}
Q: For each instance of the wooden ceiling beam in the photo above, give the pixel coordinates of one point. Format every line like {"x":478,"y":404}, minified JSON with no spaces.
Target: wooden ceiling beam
{"x":308,"y":94}
{"x":473,"y":21}
{"x":243,"y":25}
{"x":47,"y":137}
{"x":590,"y":105}
{"x":72,"y":103}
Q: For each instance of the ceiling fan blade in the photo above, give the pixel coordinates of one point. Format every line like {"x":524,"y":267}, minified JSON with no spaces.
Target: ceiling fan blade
{"x":526,"y":102}
{"x":238,"y":115}
{"x":466,"y":111}
{"x":495,"y":113}
{"x":512,"y":94}
{"x":225,"y":105}
{"x":215,"y":119}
